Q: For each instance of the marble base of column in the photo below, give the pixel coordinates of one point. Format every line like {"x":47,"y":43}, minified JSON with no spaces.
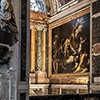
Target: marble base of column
{"x":41,"y":77}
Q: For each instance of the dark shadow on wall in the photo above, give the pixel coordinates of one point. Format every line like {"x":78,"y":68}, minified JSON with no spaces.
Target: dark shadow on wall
{"x":67,"y":97}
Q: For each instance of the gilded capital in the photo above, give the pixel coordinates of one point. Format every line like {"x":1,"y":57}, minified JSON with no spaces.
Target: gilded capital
{"x":40,"y":27}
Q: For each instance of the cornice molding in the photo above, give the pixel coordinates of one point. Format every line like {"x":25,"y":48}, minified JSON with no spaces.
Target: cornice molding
{"x":73,"y":9}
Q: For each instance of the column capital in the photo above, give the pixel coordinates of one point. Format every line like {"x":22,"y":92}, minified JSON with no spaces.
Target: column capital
{"x":40,"y":27}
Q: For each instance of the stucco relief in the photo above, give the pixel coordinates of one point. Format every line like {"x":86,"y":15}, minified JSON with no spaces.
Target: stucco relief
{"x":8,"y":31}
{"x":8,"y":37}
{"x":8,"y":28}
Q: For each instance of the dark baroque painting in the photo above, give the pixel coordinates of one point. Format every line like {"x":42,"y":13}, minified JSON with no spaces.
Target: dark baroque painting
{"x":71,"y":46}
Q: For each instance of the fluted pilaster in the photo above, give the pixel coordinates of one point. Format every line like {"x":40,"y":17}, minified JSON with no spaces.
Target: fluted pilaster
{"x":33,"y":49}
{"x":44,"y":49}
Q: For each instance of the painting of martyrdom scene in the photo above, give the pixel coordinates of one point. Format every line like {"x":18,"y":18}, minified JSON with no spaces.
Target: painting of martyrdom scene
{"x":71,"y":46}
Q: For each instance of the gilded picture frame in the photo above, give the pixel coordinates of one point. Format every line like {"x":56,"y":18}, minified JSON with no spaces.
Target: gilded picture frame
{"x":53,"y":26}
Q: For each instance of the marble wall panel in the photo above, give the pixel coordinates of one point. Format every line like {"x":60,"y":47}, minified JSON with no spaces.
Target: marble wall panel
{"x":96,"y":30}
{"x":96,"y":7}
{"x":96,"y":65}
{"x":96,"y":38}
{"x":23,"y":39}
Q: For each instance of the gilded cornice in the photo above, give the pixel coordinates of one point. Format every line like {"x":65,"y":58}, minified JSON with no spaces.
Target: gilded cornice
{"x":38,"y":17}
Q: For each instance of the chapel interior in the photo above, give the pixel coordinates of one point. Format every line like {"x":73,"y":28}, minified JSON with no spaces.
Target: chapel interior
{"x":49,"y":48}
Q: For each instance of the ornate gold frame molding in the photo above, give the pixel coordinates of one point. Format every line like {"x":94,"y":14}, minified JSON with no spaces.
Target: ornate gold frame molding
{"x":59,"y":77}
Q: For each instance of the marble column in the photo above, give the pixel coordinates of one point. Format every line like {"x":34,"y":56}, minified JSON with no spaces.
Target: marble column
{"x":39,"y":28}
{"x":33,"y":48}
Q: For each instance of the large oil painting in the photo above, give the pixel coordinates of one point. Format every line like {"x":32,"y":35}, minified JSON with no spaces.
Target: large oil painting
{"x":71,"y":46}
